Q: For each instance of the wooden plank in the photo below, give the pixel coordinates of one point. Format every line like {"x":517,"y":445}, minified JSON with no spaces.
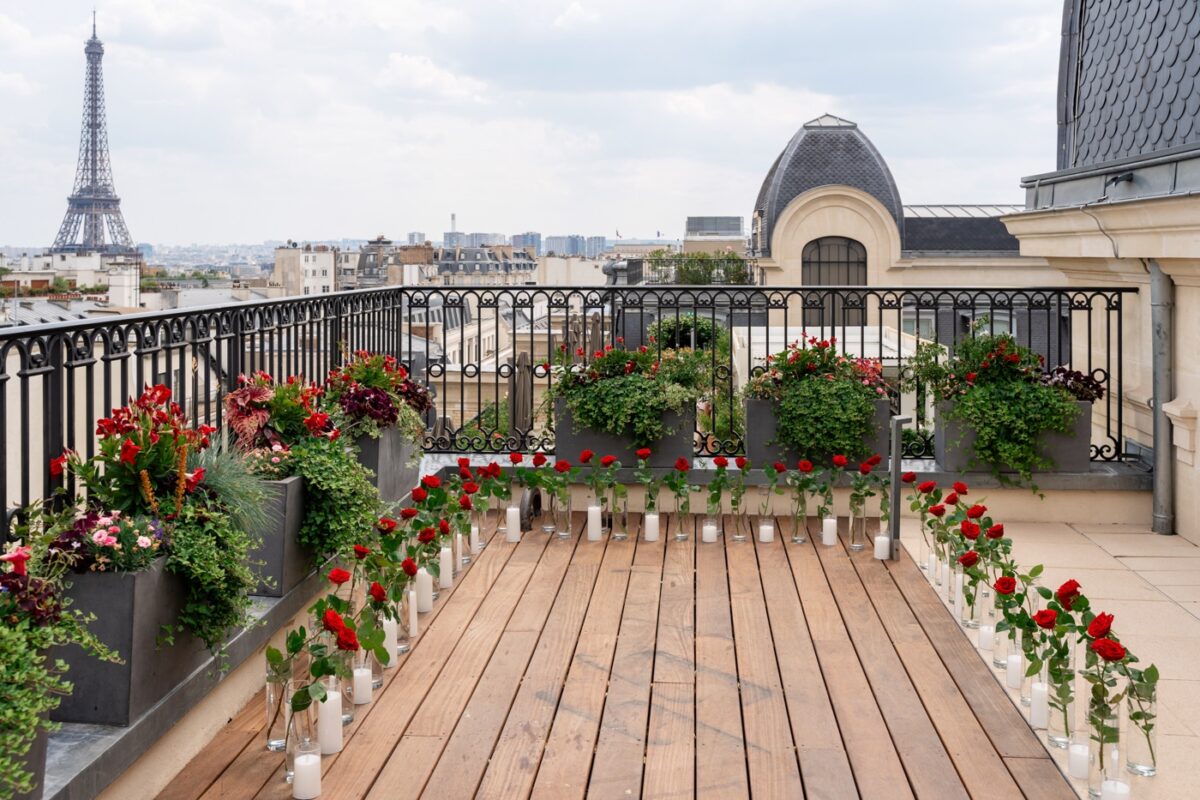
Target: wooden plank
{"x":824,"y":765}
{"x":243,"y":732}
{"x":567,"y":756}
{"x":1040,"y":779}
{"x":720,"y":744}
{"x":618,"y":761}
{"x":873,"y":757}
{"x":930,"y":769}
{"x":671,"y":743}
{"x":770,"y":751}
{"x":675,"y":647}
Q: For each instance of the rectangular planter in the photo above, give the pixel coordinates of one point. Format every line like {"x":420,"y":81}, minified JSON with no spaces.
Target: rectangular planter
{"x":35,"y":763}
{"x":762,"y":434}
{"x":284,"y":561}
{"x":954,"y":444}
{"x":391,"y":458}
{"x":131,"y":610}
{"x":569,"y":442}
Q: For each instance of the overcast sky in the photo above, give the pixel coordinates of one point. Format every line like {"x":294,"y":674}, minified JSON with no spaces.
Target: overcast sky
{"x":245,"y":120}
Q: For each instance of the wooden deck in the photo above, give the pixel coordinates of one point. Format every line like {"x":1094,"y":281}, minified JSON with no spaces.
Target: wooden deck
{"x":569,"y":669}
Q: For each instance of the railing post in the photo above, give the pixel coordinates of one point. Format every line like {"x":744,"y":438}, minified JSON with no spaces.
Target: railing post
{"x":898,"y":423}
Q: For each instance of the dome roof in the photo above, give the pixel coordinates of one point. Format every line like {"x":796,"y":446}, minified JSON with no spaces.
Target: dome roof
{"x":828,"y":151}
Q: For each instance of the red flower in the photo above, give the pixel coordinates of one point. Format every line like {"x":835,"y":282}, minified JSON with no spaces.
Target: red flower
{"x":129,"y":451}
{"x":927,"y":487}
{"x":1046,"y":618}
{"x":937,"y":510}
{"x":1068,"y":593}
{"x":470,"y":487}
{"x":464,"y":463}
{"x":1108,"y":649}
{"x":805,"y":466}
{"x":515,"y":458}
{"x":464,"y":473}
{"x":332,"y":621}
{"x":951,"y":499}
{"x":971,"y":377}
{"x":338,"y":576}
{"x":960,"y":487}
{"x":780,"y":467}
{"x":419,"y":495}
{"x":864,"y":468}
{"x":908,"y":477}
{"x":969,"y":559}
{"x":347,"y":640}
{"x":976,"y":511}
{"x":840,"y":461}
{"x":408,"y":513}
{"x":969,"y":529}
{"x":996,"y":531}
{"x":58,"y":464}
{"x":192,"y":479}
{"x":629,"y":367}
{"x":643,"y":453}
{"x":1099,"y":627}
{"x":562,"y":466}
{"x":409,"y":566}
{"x":443,"y":527}
{"x":464,"y":502}
{"x":720,"y":462}
{"x":682,"y":465}
{"x":316,"y":422}
{"x":874,"y":460}
{"x":586,"y":457}
{"x":741,"y":462}
{"x":539,"y":459}
{"x":426,"y":535}
{"x":377,"y":592}
{"x":361,"y":552}
{"x":607,"y":461}
{"x":431,"y":481}
{"x":1005,"y":584}
{"x":387,"y":524}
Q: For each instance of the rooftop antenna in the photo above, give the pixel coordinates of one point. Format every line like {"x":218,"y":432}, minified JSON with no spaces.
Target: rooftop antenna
{"x":93,"y":22}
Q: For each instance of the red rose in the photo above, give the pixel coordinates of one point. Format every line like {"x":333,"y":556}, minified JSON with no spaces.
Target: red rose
{"x":347,"y":640}
{"x":976,"y":511}
{"x":464,"y":463}
{"x":338,"y":576}
{"x":643,"y":453}
{"x":970,"y":377}
{"x":470,"y":487}
{"x":805,"y":466}
{"x":419,"y":495}
{"x":741,"y":462}
{"x":607,"y":461}
{"x":361,"y":552}
{"x":780,"y":468}
{"x":864,"y":468}
{"x":1046,"y":618}
{"x":377,"y":592}
{"x":1005,"y":584}
{"x":874,"y":460}
{"x":332,"y":621}
{"x":426,"y":535}
{"x":960,"y":487}
{"x":464,"y":502}
{"x":721,"y":462}
{"x":129,"y":451}
{"x":969,"y":529}
{"x":586,"y":457}
{"x":58,"y":464}
{"x":409,"y":566}
{"x":1108,"y":649}
{"x":1068,"y":593}
{"x":408,"y":513}
{"x":561,"y":466}
{"x":951,"y":499}
{"x":840,"y":461}
{"x":515,"y":458}
{"x":969,"y":559}
{"x":927,"y":487}
{"x":539,"y":459}
{"x":431,"y":481}
{"x":937,"y":510}
{"x":682,"y":465}
{"x":387,"y":524}
{"x":908,"y":477}
{"x":443,"y":527}
{"x":1099,"y":627}
{"x":464,"y":473}
{"x":996,"y":531}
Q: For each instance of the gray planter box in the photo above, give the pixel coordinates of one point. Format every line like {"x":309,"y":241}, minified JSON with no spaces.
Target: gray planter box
{"x":35,"y":763}
{"x":394,"y":460}
{"x":761,"y":444}
{"x":569,"y":442}
{"x":285,"y":562}
{"x":131,"y":610}
{"x":954,"y":444}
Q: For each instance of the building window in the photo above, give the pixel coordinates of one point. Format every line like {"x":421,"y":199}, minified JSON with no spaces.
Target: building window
{"x":833,"y":261}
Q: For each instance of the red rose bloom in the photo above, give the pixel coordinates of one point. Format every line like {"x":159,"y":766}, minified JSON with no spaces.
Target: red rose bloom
{"x":586,"y":457}
{"x":780,"y":467}
{"x":927,"y":487}
{"x":419,"y":495}
{"x":332,"y":621}
{"x":976,"y":511}
{"x":1068,"y":593}
{"x":607,"y":461}
{"x":643,"y":453}
{"x":970,"y":377}
{"x":969,"y":558}
{"x":682,"y":465}
{"x":937,"y":510}
{"x":515,"y":458}
{"x":864,"y":468}
{"x":908,"y":477}
{"x":409,"y":566}
{"x":408,"y":513}
{"x":805,"y":466}
{"x":1099,"y":627}
{"x":470,"y":487}
{"x":1046,"y":618}
{"x":874,"y":460}
{"x":129,"y":451}
{"x":951,"y":499}
{"x":539,"y":459}
{"x":960,"y":487}
{"x":377,"y":592}
{"x":969,"y":529}
{"x":561,"y":466}
{"x":443,"y":527}
{"x":464,"y":502}
{"x":58,"y":464}
{"x":464,"y":473}
{"x":431,"y":481}
{"x":338,"y":576}
{"x":347,"y":639}
{"x":1108,"y":649}
{"x":464,"y":463}
{"x":1005,"y":584}
{"x":996,"y":531}
{"x":386,"y":524}
{"x":741,"y":462}
{"x":361,"y":552}
{"x":426,"y":535}
{"x":840,"y":461}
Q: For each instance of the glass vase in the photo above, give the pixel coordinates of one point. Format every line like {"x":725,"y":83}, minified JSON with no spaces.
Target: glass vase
{"x":741,"y":523}
{"x":346,"y":685}
{"x":620,"y":516}
{"x":971,"y":609}
{"x":278,"y":694}
{"x":858,"y":531}
{"x":682,"y":522}
{"x":301,"y":741}
{"x":1060,"y":681}
{"x":710,"y":529}
{"x":560,"y":505}
{"x":923,"y":560}
{"x":479,"y":514}
{"x":1001,"y":640}
{"x":1026,"y":641}
{"x":546,"y":509}
{"x":1141,"y":734}
{"x":800,"y":520}
{"x":1104,"y":755}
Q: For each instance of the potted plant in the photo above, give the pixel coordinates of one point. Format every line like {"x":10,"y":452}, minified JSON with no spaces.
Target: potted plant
{"x":621,"y":400}
{"x":721,"y":410}
{"x":383,"y":411}
{"x":810,"y":402}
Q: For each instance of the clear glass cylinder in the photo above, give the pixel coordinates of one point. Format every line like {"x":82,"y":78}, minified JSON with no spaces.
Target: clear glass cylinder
{"x":479,"y":515}
{"x":954,"y":588}
{"x":1104,"y":756}
{"x":1060,"y":680}
{"x":346,"y":686}
{"x":278,"y":694}
{"x":1141,"y":733}
{"x":923,"y":560}
{"x":800,"y":519}
{"x":858,"y":531}
{"x":301,"y":740}
{"x":1001,"y":640}
{"x":499,"y":503}
{"x":741,"y":525}
{"x":1026,"y":642}
{"x":620,"y":516}
{"x":560,"y":505}
{"x":404,"y":616}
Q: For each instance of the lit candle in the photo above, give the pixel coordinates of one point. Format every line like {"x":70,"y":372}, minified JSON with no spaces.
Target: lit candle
{"x":829,"y":531}
{"x":1114,"y":790}
{"x":306,"y":775}
{"x":475,"y":540}
{"x":766,"y":531}
{"x":650,"y":523}
{"x":1014,"y":671}
{"x":1039,"y":707}
{"x":594,"y":523}
{"x":883,"y":546}
{"x":1077,"y":761}
{"x":329,"y":720}
{"x":413,"y":625}
{"x":362,"y":685}
{"x":445,"y":568}
{"x":424,"y":591}
{"x":512,"y":530}
{"x":391,"y":640}
{"x":985,"y":637}
{"x":709,"y":532}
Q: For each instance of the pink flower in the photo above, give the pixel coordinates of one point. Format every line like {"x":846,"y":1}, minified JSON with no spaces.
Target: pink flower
{"x":143,"y":542}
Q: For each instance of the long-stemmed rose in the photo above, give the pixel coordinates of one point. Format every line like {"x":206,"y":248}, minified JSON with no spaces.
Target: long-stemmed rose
{"x":717,"y":485}
{"x":677,"y":481}
{"x":646,"y":478}
{"x":770,"y":486}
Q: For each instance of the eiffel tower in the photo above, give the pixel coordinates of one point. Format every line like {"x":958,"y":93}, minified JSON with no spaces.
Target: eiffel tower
{"x":93,"y":204}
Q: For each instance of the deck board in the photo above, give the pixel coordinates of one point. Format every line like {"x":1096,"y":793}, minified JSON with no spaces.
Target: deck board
{"x":670,"y":670}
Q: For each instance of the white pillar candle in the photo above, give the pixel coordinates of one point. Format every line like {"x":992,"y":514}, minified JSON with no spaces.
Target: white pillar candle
{"x":932,"y":566}
{"x":1077,"y":761}
{"x":650,"y":526}
{"x":329,"y":720}
{"x":445,"y":568}
{"x":766,"y":531}
{"x":709,"y":532}
{"x":362,"y":685}
{"x":458,"y":552}
{"x":413,"y":624}
{"x":1039,"y":707}
{"x":475,"y":540}
{"x":829,"y":531}
{"x":1114,"y":790}
{"x":883,"y":546}
{"x":512,"y":529}
{"x":424,"y":591}
{"x":594,"y":523}
{"x":986,"y":632}
{"x":391,"y":640}
{"x":959,"y":599}
{"x":306,"y":775}
{"x":1014,"y":671}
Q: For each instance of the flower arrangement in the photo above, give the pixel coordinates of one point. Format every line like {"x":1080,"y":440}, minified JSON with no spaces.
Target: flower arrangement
{"x":770,"y":486}
{"x":373,"y":392}
{"x":681,"y":490}
{"x":717,"y":485}
{"x":645,"y":477}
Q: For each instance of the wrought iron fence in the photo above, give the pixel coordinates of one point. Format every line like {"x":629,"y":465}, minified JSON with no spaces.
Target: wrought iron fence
{"x":485,"y":353}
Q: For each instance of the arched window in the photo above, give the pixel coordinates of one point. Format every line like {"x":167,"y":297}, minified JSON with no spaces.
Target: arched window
{"x":833,"y":261}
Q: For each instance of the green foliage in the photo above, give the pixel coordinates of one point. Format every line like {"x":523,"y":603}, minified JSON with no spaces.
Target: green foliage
{"x":340,"y":503}
{"x":32,"y":688}
{"x":820,"y":418}
{"x":696,"y":269}
{"x":234,"y":484}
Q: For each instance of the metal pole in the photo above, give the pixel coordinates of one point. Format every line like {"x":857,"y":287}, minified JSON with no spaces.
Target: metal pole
{"x":1162,"y":307}
{"x":898,"y":424}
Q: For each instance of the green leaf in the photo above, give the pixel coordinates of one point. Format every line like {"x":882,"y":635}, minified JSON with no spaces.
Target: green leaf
{"x":316,"y":690}
{"x":274,"y":657}
{"x":1036,"y":570}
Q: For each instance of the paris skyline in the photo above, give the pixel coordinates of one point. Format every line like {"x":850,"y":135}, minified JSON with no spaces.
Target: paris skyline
{"x":257,"y":121}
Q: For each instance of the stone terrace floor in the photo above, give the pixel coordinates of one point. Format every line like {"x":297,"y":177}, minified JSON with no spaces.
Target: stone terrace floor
{"x":564,"y":669}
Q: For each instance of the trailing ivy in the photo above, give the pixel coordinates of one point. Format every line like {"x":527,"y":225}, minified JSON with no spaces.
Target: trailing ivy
{"x":340,"y":503}
{"x":820,"y":418}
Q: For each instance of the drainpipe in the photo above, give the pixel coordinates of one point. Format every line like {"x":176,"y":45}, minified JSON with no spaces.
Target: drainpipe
{"x":1162,"y":304}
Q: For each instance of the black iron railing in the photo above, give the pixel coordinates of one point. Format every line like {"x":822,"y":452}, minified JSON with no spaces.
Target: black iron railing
{"x":484,"y":352}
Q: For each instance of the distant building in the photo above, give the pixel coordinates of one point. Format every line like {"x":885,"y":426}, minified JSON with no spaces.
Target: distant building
{"x":486,"y":239}
{"x":454,"y":239}
{"x":594,"y":246}
{"x":529,"y":240}
{"x":305,"y":269}
{"x":714,"y":235}
{"x":570,"y":245}
{"x":416,"y":237}
{"x":641,"y":247}
{"x":118,"y":275}
{"x":497,"y":265}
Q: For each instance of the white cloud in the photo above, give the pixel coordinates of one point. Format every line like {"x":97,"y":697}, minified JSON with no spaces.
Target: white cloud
{"x":418,"y":73}
{"x":16,"y":83}
{"x":575,"y":15}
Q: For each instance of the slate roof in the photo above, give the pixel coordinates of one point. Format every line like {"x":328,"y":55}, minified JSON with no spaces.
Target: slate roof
{"x":958,"y":235}
{"x":1129,"y":79}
